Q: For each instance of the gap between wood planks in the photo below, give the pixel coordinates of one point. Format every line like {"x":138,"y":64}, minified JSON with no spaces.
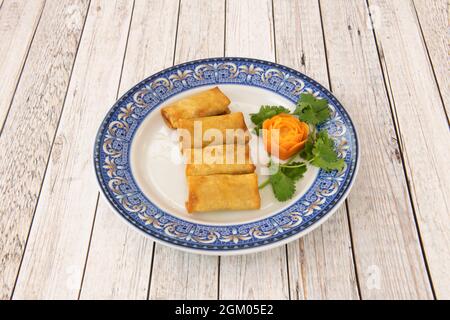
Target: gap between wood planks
{"x":54,"y":135}
{"x":347,"y":210}
{"x":23,"y":66}
{"x":430,"y":61}
{"x":357,"y":13}
{"x":391,"y":100}
{"x":98,"y":193}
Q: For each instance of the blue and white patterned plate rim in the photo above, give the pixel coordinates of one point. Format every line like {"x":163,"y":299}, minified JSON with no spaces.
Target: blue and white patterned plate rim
{"x":115,"y":135}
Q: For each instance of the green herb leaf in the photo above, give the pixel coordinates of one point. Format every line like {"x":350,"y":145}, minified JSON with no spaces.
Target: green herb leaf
{"x":266,"y":112}
{"x":312,"y":110}
{"x":325,"y":156}
{"x":307,"y":152}
{"x":319,"y":149}
{"x":283,"y":187}
{"x":294,"y":170}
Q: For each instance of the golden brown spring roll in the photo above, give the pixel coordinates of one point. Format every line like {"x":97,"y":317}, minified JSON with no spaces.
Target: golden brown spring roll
{"x":216,"y":130}
{"x":210,"y":102}
{"x":223,"y":192}
{"x":220,"y":159}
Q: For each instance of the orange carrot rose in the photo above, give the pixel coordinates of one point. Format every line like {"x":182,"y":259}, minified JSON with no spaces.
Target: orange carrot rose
{"x":292,"y":135}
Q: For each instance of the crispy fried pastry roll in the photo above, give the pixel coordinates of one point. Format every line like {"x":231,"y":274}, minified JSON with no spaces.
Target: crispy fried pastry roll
{"x":223,"y":192}
{"x":219,"y":159}
{"x":206,"y":103}
{"x":216,"y":130}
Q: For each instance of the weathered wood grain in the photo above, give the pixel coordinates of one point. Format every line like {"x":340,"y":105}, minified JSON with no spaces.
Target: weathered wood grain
{"x":387,"y":249}
{"x":260,"y":275}
{"x":176,"y":274}
{"x":249,"y":30}
{"x":249,"y":33}
{"x":321,"y":263}
{"x":30,"y":127}
{"x":434,"y":22}
{"x":386,"y":245}
{"x":424,"y":133}
{"x":18,"y":20}
{"x":55,"y":256}
{"x":179,"y":275}
{"x":119,"y":260}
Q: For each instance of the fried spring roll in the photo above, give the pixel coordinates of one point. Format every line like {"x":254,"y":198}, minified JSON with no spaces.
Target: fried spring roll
{"x":220,"y":159}
{"x":216,"y":130}
{"x":223,"y":192}
{"x":206,"y":103}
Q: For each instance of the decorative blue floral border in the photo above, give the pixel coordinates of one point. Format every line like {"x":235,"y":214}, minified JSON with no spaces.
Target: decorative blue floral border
{"x":113,"y":141}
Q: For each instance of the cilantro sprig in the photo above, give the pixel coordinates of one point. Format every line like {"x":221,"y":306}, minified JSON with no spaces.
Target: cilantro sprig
{"x":325,"y":155}
{"x":266,"y":112}
{"x":294,"y":170}
{"x":283,"y":178}
{"x":312,"y":110}
{"x":319,"y":149}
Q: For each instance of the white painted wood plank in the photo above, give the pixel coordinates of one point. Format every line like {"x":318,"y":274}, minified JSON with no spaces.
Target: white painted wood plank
{"x":30,"y":127}
{"x":18,"y":21}
{"x":119,"y":260}
{"x":423,"y":130}
{"x":386,"y":245}
{"x":179,"y":275}
{"x":434,"y":21}
{"x":260,"y":275}
{"x":55,"y":256}
{"x":263,"y":275}
{"x":321,"y":263}
{"x":250,"y":29}
{"x":176,"y":274}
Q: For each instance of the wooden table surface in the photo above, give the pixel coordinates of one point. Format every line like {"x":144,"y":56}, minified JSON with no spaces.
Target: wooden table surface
{"x":63,"y":63}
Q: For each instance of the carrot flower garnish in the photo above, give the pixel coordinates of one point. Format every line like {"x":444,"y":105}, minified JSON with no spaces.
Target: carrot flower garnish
{"x":284,"y":135}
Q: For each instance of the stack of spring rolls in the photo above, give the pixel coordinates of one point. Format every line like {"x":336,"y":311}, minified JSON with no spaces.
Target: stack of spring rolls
{"x":219,"y":171}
